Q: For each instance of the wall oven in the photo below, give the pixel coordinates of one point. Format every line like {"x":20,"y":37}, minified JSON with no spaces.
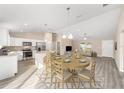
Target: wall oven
{"x":27,"y":52}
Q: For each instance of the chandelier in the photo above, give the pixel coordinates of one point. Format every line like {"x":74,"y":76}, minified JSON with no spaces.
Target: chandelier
{"x":69,"y":36}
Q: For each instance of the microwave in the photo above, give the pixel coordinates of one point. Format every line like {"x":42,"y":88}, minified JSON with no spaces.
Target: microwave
{"x":27,"y":43}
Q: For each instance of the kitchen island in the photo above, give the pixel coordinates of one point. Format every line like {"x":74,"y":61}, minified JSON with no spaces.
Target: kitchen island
{"x":8,"y":66}
{"x":39,"y":59}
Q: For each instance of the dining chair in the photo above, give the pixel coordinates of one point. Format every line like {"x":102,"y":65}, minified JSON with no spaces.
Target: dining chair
{"x":61,"y":75}
{"x":78,"y":54}
{"x":88,"y":75}
{"x":49,"y":69}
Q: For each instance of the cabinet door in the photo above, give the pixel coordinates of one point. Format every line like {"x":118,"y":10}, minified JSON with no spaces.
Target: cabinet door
{"x":18,"y":41}
{"x":20,"y":55}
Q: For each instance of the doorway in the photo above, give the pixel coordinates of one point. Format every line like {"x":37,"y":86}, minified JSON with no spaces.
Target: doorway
{"x":107,"y":48}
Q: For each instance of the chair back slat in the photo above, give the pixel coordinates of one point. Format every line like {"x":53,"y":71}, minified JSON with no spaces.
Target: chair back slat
{"x":48,"y":61}
{"x":58,"y":67}
{"x":93,"y":66}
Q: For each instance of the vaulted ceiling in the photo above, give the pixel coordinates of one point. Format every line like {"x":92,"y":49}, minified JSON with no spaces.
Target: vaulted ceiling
{"x":53,"y":18}
{"x":102,"y":27}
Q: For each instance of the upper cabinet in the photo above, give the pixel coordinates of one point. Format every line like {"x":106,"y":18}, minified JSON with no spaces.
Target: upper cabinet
{"x":4,"y":37}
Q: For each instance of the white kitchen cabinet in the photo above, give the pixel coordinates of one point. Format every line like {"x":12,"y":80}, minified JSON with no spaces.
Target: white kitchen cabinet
{"x":19,"y":41}
{"x":20,"y":55}
{"x":8,"y":66}
{"x":4,"y":37}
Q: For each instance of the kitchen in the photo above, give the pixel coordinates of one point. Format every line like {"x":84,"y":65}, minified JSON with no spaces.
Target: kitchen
{"x":22,"y":47}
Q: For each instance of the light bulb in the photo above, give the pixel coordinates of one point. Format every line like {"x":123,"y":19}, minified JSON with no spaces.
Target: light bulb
{"x":70,"y":36}
{"x":64,"y":36}
{"x":25,"y":24}
{"x":46,"y":40}
{"x":0,"y":46}
{"x":85,"y":38}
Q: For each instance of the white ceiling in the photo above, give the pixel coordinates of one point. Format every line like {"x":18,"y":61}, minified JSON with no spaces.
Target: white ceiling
{"x":55,"y":16}
{"x":100,"y":27}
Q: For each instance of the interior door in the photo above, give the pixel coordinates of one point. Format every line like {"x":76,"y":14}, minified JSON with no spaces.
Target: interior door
{"x":107,"y":48}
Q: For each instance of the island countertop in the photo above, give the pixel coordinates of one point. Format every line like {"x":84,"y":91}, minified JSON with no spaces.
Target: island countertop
{"x":8,"y":55}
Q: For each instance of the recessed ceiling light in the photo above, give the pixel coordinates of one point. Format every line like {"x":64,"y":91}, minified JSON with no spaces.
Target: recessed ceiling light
{"x":25,"y":24}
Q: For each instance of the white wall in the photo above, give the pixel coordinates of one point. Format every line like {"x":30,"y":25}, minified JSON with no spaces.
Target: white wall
{"x":101,"y":47}
{"x":4,"y":37}
{"x":96,"y":45}
{"x":63,"y":43}
{"x":119,"y":54}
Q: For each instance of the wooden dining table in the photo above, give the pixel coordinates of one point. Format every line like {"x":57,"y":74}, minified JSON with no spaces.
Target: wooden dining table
{"x":76,"y":63}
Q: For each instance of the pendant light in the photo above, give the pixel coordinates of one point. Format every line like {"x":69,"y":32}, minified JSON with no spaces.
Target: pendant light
{"x":1,"y":46}
{"x":69,"y":36}
{"x":84,"y":36}
{"x":64,"y":36}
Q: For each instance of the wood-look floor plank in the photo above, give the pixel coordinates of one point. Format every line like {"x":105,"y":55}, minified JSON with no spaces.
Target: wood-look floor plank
{"x":107,"y":76}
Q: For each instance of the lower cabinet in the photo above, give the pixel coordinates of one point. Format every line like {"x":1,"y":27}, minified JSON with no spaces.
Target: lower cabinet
{"x":9,"y":66}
